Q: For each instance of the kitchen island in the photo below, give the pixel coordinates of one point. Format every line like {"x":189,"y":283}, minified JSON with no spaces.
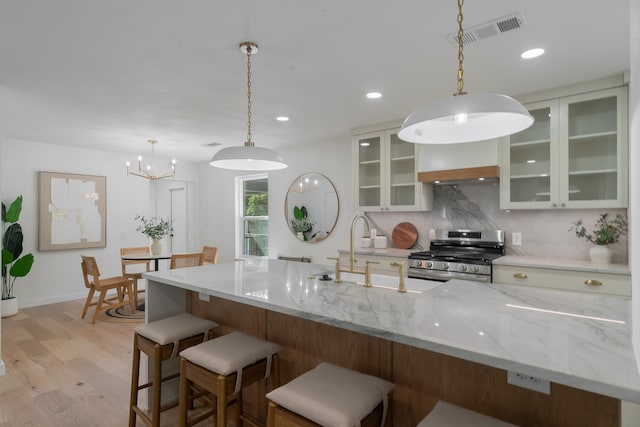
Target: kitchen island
{"x":452,"y":341}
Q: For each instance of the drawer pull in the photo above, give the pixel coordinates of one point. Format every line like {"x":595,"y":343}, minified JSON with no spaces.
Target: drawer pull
{"x":593,"y":282}
{"x":520,"y":276}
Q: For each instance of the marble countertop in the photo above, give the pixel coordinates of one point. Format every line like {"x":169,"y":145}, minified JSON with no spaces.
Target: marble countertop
{"x":580,"y":340}
{"x":561,"y":264}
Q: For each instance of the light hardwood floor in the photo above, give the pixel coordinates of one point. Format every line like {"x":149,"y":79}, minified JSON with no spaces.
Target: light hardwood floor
{"x":64,"y":371}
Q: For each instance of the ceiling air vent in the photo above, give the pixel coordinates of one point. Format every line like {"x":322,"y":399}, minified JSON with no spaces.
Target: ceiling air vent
{"x":489,"y":29}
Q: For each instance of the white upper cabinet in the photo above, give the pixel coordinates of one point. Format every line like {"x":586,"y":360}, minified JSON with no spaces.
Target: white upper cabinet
{"x":386,"y":173}
{"x":573,"y":156}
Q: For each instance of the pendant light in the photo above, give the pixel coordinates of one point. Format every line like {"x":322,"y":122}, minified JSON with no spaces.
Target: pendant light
{"x":248,"y":157}
{"x":464,"y":117}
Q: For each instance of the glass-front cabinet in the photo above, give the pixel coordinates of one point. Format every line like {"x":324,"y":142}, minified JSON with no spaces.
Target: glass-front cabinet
{"x":573,"y":156}
{"x":386,"y":173}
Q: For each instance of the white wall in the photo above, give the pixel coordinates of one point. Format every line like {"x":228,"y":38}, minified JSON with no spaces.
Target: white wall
{"x":331,"y":159}
{"x":2,"y":364}
{"x":217,"y":195}
{"x":56,"y":275}
{"x":634,"y":176}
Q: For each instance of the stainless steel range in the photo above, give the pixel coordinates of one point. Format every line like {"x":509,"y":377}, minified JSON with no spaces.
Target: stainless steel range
{"x":458,"y":254}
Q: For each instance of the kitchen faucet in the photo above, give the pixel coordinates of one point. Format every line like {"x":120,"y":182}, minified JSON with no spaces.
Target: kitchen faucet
{"x":352,"y":259}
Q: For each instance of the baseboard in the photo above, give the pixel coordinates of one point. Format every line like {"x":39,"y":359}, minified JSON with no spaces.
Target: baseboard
{"x":51,"y":300}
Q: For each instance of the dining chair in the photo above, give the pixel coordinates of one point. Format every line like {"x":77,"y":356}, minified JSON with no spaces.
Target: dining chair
{"x":136,"y":274}
{"x":210,"y":254}
{"x":186,"y":260}
{"x":122,"y":285}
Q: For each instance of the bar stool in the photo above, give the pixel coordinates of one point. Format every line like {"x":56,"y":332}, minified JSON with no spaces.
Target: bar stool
{"x":330,"y":395}
{"x":223,"y":367}
{"x":160,"y":341}
{"x":445,"y":414}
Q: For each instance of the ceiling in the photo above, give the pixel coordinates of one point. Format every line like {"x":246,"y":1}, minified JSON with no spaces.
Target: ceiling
{"x":112,"y":74}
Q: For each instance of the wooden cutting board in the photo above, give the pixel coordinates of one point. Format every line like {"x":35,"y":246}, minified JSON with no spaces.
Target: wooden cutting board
{"x":404,"y":235}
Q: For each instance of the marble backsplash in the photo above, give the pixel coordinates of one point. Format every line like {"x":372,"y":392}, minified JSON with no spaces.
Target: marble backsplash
{"x":545,"y":232}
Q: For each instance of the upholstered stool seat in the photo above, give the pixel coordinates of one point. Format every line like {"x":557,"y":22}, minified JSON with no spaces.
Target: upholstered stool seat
{"x":160,"y":341}
{"x":330,"y":395}
{"x":223,"y":367}
{"x":445,"y":414}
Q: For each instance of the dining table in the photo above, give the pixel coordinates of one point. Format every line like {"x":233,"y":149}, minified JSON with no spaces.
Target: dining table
{"x":146,"y":256}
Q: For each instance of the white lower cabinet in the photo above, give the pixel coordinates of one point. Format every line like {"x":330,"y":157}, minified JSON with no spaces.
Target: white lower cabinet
{"x":564,"y":279}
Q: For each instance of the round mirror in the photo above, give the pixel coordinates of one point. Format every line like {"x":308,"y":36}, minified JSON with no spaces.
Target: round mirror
{"x":311,"y":207}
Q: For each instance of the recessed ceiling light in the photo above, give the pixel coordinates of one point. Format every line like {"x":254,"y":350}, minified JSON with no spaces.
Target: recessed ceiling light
{"x":532,"y":53}
{"x":374,"y":95}
{"x":282,"y":118}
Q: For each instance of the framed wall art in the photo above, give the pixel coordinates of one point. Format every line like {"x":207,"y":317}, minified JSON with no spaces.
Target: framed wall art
{"x":72,"y":211}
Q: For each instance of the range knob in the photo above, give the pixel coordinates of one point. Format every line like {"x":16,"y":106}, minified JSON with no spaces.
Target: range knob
{"x":462,"y":267}
{"x":444,"y":265}
{"x":429,"y":264}
{"x":417,"y":263}
{"x":474,"y":268}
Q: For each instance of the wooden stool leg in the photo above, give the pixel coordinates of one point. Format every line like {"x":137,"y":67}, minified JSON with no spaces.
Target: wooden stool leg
{"x":184,"y":391}
{"x":239,"y":410}
{"x":157,"y":385}
{"x":222,"y":401}
{"x":271,"y":416}
{"x":135,"y":375}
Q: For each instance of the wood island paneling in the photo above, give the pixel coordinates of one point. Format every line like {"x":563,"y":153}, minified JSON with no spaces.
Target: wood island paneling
{"x":421,"y":377}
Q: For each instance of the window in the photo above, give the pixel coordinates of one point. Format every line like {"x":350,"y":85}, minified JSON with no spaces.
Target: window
{"x":253,"y":215}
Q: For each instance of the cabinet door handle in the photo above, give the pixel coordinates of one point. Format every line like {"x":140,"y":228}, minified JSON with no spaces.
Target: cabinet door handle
{"x":593,"y":282}
{"x":520,"y":276}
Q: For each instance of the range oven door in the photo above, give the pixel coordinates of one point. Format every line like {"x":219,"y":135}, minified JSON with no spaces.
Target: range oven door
{"x":444,"y":276}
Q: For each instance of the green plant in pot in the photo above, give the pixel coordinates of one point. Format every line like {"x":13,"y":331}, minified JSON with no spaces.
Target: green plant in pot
{"x":13,"y":264}
{"x":605,"y":232}
{"x":155,"y":228}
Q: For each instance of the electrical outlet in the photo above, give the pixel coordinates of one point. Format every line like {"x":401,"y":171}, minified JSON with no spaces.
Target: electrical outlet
{"x":203,"y":297}
{"x":516,"y":239}
{"x":528,"y":381}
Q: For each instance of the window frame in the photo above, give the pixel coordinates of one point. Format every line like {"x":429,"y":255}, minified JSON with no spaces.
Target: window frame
{"x":241,"y":218}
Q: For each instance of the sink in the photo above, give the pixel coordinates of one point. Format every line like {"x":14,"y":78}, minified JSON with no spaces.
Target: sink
{"x":391,"y":282}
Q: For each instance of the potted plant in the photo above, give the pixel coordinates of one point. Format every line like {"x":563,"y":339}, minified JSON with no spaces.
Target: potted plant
{"x":155,"y":228}
{"x":13,"y":265}
{"x":606,"y":232}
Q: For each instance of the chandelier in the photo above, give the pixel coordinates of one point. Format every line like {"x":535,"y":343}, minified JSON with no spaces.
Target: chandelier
{"x":463,"y":117}
{"x":248,"y":157}
{"x":149,"y":172}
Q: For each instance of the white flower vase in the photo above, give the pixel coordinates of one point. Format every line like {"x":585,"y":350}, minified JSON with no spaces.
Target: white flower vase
{"x":9,"y":307}
{"x":600,"y":254}
{"x":156,"y":247}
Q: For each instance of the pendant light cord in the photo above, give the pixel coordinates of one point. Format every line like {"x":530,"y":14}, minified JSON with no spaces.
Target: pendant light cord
{"x":249,"y":143}
{"x":460,"y":54}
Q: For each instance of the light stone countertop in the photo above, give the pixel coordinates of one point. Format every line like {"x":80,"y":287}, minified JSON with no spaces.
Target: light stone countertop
{"x":562,"y":264}
{"x":580,"y":340}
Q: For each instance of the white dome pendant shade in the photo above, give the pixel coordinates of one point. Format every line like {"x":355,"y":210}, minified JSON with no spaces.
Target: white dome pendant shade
{"x":465,"y":118}
{"x":248,"y":157}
